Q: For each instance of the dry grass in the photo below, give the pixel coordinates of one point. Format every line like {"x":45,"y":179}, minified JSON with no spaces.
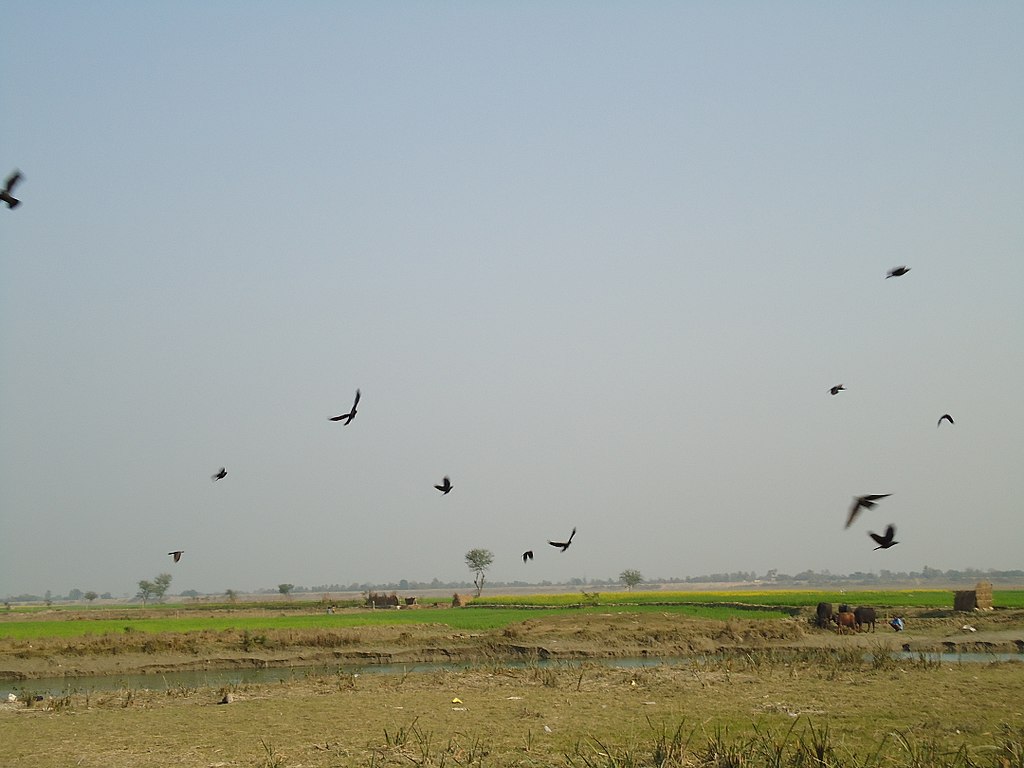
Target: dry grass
{"x":743,"y":709}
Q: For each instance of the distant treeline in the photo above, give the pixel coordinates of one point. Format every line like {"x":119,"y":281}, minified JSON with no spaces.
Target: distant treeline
{"x":802,"y":579}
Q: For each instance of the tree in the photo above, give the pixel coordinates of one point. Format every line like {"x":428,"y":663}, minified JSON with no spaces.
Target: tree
{"x":284,"y":589}
{"x":479,"y":560}
{"x":630,"y":577}
{"x":146,"y":589}
{"x":90,"y":595}
{"x":75,"y":595}
{"x":231,"y":595}
{"x":160,"y":584}
{"x":155,"y":588}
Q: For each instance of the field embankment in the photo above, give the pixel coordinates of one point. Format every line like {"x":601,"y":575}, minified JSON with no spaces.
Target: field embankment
{"x":559,"y":627}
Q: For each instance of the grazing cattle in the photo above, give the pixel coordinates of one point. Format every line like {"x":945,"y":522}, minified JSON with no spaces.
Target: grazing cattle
{"x":824,"y":614}
{"x":865,"y":616}
{"x":845,"y":620}
{"x":844,"y":608}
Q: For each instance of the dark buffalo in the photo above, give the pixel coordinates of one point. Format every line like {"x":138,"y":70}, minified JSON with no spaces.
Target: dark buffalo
{"x":845,"y":620}
{"x":865,"y":617}
{"x":844,"y":608}
{"x":824,"y":614}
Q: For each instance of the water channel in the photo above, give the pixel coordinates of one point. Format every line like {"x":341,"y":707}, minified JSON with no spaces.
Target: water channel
{"x":162,"y":681}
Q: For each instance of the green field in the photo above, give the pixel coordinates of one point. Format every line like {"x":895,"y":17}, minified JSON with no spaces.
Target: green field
{"x":455,"y":618}
{"x":486,"y":613}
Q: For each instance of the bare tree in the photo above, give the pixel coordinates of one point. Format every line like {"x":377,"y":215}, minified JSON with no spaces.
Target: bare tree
{"x":479,"y":560}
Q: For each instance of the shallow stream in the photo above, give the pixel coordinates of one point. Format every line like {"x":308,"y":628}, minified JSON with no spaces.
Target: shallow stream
{"x":163,"y":681}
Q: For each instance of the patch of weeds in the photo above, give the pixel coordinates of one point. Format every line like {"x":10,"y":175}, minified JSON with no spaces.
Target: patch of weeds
{"x":669,"y":749}
{"x":399,"y":738}
{"x":929,"y":752}
{"x":127,"y":697}
{"x":271,"y":758}
{"x":722,"y":752}
{"x":599,"y":755}
{"x":251,"y":641}
{"x":59,"y":703}
{"x":1011,"y":747}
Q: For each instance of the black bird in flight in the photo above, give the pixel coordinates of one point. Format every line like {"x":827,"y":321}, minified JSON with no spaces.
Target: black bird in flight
{"x":884,"y":542}
{"x":445,"y":486}
{"x":221,"y":474}
{"x":897,"y":272}
{"x":864,"y":502}
{"x":528,"y":555}
{"x":350,"y":415}
{"x":176,"y":554}
{"x":837,"y":389}
{"x":563,"y":545}
{"x":945,"y":416}
{"x":5,"y":193}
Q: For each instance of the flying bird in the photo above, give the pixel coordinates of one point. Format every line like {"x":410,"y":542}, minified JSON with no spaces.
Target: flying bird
{"x":176,"y":554}
{"x":350,"y":415}
{"x":563,"y":545}
{"x":946,"y":417}
{"x":837,"y":389}
{"x":897,"y":272}
{"x":528,"y":555}
{"x":221,"y":474}
{"x":884,"y":542}
{"x":864,"y":502}
{"x":5,"y":193}
{"x":445,"y":486}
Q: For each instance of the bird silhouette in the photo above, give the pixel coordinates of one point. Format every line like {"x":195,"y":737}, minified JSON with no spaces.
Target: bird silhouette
{"x":528,"y":555}
{"x":837,"y":389}
{"x":563,"y":545}
{"x":221,"y":474}
{"x":350,"y":415}
{"x":897,"y":272}
{"x":864,"y":502}
{"x":445,"y":486}
{"x":946,"y":417}
{"x":884,"y":542}
{"x":176,"y":554}
{"x":5,"y":193}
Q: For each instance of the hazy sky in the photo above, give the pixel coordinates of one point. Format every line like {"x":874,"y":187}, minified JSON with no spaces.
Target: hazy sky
{"x":598,"y":262}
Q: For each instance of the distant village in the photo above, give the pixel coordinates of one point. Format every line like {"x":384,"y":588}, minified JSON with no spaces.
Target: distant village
{"x":926,"y":578}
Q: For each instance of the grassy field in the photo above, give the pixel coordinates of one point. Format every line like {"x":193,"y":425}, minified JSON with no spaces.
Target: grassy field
{"x":739,"y":687}
{"x":753,"y":710}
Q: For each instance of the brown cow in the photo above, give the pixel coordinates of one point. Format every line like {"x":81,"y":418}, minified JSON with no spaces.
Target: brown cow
{"x":845,"y":620}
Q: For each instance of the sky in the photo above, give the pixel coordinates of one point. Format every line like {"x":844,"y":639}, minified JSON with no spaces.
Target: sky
{"x":599,"y":263}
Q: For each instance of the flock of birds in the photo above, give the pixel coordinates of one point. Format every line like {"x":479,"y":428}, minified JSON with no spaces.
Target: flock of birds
{"x":868,"y":501}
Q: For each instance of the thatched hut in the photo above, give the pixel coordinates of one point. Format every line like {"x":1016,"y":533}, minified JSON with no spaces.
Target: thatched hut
{"x":460,"y":600}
